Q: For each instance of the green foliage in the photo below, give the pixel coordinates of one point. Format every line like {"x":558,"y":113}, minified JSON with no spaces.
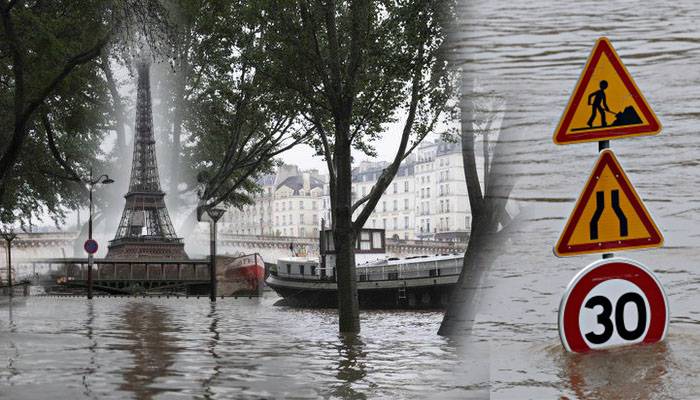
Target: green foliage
{"x":233,"y":123}
{"x":50,"y":84}
{"x":355,"y":64}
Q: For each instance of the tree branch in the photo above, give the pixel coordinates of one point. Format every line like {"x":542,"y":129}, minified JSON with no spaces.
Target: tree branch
{"x":73,"y":176}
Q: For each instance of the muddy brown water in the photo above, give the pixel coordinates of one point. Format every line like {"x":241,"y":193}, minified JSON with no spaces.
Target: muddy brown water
{"x":530,"y":53}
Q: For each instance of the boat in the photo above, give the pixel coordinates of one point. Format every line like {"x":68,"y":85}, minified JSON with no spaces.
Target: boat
{"x":383,"y":282}
{"x":240,"y":276}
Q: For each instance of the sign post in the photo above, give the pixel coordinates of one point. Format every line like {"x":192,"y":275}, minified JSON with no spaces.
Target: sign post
{"x":609,"y":215}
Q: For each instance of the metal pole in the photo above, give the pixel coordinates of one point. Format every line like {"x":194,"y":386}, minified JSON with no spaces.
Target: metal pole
{"x":9,"y":265}
{"x":212,"y":264}
{"x":323,"y":245}
{"x":602,"y":145}
{"x":90,"y":258}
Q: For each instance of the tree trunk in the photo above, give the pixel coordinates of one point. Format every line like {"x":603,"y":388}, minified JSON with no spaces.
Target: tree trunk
{"x":344,"y":234}
{"x":178,"y":111}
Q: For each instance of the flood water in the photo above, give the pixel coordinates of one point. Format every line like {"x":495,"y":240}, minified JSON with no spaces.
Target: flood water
{"x":530,"y":53}
{"x":167,"y":348}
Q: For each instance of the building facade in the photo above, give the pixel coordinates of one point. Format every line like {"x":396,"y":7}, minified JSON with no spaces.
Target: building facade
{"x":426,"y":200}
{"x":289,"y":204}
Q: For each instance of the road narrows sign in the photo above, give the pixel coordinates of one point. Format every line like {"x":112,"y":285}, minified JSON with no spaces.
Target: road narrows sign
{"x":612,"y":302}
{"x":609,"y":215}
{"x":606,"y":103}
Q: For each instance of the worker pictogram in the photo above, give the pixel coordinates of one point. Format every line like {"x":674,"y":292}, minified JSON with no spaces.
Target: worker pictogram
{"x":606,"y":103}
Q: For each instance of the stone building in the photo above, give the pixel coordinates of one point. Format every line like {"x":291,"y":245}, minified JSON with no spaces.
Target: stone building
{"x":426,"y":200}
{"x":290,"y":204}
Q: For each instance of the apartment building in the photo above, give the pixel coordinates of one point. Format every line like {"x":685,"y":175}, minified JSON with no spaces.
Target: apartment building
{"x":426,"y":200}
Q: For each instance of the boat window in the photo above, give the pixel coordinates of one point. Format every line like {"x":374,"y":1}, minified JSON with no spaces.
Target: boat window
{"x":392,"y":276}
{"x":363,"y":277}
{"x":376,"y":240}
{"x":313,"y":270}
{"x":365,"y":243}
{"x":289,"y":269}
{"x":301,"y":269}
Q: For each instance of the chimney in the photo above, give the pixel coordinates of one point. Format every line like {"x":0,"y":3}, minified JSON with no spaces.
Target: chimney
{"x":307,"y":182}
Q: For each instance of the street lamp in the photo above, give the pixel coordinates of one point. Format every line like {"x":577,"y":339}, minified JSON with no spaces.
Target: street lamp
{"x":105,"y":180}
{"x":214,"y":214}
{"x":9,"y":235}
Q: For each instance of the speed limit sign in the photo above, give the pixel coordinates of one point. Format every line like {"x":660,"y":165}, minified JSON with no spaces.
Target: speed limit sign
{"x":612,"y":302}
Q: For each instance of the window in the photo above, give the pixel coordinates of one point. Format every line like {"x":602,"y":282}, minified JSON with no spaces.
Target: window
{"x":405,"y":204}
{"x":447,"y":223}
{"x":396,"y":225}
{"x":427,"y":192}
{"x":365,"y":242}
{"x":376,"y":240}
{"x":313,"y":270}
{"x":284,"y":206}
{"x":405,"y":222}
{"x":383,"y":205}
{"x":301,"y":269}
{"x":384,"y":223}
{"x":290,"y":204}
{"x":301,"y":204}
{"x":405,"y":187}
{"x":392,"y":276}
{"x":289,"y":269}
{"x":442,"y":208}
{"x":374,"y":223}
{"x":284,"y":220}
{"x":396,"y":206}
{"x":301,"y":218}
{"x":314,"y":219}
{"x":447,"y":205}
{"x":396,"y":187}
{"x":314,"y":205}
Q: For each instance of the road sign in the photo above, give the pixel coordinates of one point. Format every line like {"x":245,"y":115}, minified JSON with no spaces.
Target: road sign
{"x":606,"y":103}
{"x":90,"y":246}
{"x":612,"y":302}
{"x":609,"y":215}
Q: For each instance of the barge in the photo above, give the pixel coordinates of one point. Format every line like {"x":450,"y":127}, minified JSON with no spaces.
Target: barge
{"x":417,"y":282}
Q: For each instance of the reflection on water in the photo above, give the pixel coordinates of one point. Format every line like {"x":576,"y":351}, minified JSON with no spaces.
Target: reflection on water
{"x":638,"y":372}
{"x":208,"y":383}
{"x":158,"y":348}
{"x":145,"y":327}
{"x":351,"y":366}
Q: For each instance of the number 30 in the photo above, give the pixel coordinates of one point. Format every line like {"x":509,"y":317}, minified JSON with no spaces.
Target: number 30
{"x":604,"y":318}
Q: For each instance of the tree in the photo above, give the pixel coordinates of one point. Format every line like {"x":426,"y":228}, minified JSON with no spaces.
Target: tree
{"x":353,"y":67}
{"x":225,"y":125}
{"x":50,"y":84}
{"x":490,"y":219}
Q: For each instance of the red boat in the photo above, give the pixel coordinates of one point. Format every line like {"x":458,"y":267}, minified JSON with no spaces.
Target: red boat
{"x":240,"y":276}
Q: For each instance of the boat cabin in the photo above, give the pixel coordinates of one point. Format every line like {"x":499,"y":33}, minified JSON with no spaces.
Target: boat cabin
{"x":370,"y":246}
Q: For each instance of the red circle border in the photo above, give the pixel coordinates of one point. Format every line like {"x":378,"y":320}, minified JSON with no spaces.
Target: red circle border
{"x":598,"y":273}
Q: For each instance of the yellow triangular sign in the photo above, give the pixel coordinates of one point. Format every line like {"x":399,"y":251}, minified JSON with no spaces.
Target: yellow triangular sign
{"x":609,"y":215}
{"x":606,"y":103}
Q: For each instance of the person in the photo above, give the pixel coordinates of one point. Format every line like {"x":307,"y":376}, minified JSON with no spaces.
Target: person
{"x":598,"y":99}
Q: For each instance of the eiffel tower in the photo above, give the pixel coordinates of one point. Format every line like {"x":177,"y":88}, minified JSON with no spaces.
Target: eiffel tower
{"x":145,"y":230}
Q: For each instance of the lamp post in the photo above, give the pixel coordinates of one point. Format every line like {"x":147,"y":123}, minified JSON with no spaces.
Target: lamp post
{"x":214,"y":214}
{"x":9,"y":235}
{"x":91,"y":182}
